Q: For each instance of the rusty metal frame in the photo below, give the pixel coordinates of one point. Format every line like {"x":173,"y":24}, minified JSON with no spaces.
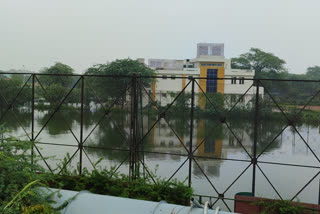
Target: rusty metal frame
{"x":162,"y":115}
{"x":290,"y":122}
{"x":134,"y":144}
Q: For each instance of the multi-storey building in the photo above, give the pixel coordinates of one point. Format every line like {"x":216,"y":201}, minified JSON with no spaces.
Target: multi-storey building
{"x":213,"y":74}
{"x":209,"y":63}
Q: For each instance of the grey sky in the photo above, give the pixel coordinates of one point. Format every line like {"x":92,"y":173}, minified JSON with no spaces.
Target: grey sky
{"x":80,"y":33}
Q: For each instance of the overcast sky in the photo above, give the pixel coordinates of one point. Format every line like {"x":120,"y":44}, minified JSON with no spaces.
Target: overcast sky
{"x":80,"y":33}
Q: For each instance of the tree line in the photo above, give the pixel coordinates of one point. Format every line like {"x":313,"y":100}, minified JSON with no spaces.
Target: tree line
{"x":53,"y":89}
{"x":268,"y":66}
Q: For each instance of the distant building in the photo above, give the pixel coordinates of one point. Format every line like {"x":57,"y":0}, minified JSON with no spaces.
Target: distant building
{"x":210,"y":62}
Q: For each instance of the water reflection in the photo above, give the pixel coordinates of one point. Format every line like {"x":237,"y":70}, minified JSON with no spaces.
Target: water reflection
{"x":59,"y":123}
{"x":9,"y":120}
{"x":211,"y":140}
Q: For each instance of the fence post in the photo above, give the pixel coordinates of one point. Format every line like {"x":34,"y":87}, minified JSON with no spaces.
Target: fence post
{"x":133,"y":130}
{"x":319,"y":193}
{"x":81,"y":126}
{"x":32,"y":119}
{"x":141,"y":128}
{"x":190,"y":156}
{"x":255,"y":138}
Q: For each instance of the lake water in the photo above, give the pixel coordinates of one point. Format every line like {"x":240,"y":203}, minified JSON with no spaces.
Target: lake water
{"x":210,"y":156}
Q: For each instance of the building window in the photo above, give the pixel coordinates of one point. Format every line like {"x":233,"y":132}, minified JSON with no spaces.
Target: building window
{"x":241,"y":80}
{"x":212,"y":64}
{"x":234,"y":80}
{"x":164,"y":95}
{"x":212,"y":83}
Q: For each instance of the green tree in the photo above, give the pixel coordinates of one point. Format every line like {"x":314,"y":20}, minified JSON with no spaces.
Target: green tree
{"x":260,"y":61}
{"x":122,"y":67}
{"x":114,"y":85}
{"x":313,"y":73}
{"x":214,"y":103}
{"x":57,"y":68}
{"x":57,"y":86}
{"x":10,"y":86}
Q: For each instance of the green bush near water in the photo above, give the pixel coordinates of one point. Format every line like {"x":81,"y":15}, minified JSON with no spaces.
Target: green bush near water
{"x":282,"y":207}
{"x":101,"y":182}
{"x":19,"y":178}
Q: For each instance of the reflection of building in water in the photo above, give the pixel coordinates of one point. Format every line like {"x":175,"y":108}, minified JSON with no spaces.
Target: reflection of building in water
{"x":214,"y":143}
{"x":209,"y":144}
{"x":211,"y":141}
{"x":219,"y":140}
{"x":209,"y":167}
{"x":164,"y":138}
{"x":209,"y":63}
{"x":219,"y":143}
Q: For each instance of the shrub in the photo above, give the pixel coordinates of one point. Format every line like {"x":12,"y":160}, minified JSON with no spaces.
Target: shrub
{"x":18,"y":178}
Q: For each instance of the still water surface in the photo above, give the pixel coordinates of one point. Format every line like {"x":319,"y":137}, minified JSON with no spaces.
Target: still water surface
{"x":211,"y":153}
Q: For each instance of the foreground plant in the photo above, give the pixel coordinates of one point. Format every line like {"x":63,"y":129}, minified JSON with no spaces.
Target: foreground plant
{"x":108,"y":182}
{"x":18,"y":179}
{"x":282,"y":207}
{"x":21,"y":175}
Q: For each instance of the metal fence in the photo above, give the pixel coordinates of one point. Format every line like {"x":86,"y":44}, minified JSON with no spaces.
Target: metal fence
{"x":257,"y":102}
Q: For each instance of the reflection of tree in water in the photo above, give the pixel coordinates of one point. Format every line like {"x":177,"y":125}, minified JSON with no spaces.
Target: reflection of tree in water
{"x":222,"y":141}
{"x":91,"y":118}
{"x":110,"y":135}
{"x":107,"y":134}
{"x":57,"y":125}
{"x":267,"y":131}
{"x":10,"y":123}
{"x":181,"y":125}
{"x":108,"y":154}
{"x":10,"y":87}
{"x":153,"y":156}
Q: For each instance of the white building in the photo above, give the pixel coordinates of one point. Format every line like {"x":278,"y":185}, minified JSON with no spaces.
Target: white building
{"x":209,"y":63}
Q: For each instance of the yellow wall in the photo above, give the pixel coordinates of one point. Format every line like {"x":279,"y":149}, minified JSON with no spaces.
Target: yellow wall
{"x":200,"y":136}
{"x":183,"y":85}
{"x":203,"y":82}
{"x":183,"y":81}
{"x":217,"y":152}
{"x":153,"y":89}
